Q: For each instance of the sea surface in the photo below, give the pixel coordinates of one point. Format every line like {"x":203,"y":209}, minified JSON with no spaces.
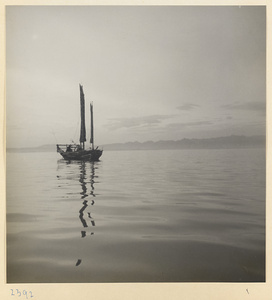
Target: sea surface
{"x":137,"y":216}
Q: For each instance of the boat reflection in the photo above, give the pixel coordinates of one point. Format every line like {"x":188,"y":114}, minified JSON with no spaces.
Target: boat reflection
{"x":83,"y":181}
{"x":87,"y":179}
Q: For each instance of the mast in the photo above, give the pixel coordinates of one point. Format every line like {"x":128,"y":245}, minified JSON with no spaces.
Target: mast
{"x":82,"y":113}
{"x":92,"y":127}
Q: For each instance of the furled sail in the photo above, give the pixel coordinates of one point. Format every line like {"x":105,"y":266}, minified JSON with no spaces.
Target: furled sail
{"x":82,"y":112}
{"x":92,"y":129}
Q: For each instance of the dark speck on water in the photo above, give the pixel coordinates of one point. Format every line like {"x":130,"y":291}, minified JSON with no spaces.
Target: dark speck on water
{"x":78,"y":262}
{"x":137,"y":216}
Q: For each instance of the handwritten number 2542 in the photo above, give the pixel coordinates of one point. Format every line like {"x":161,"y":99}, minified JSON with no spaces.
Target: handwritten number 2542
{"x":18,"y":293}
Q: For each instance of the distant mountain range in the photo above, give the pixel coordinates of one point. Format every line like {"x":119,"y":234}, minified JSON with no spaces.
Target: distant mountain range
{"x":228,"y":142}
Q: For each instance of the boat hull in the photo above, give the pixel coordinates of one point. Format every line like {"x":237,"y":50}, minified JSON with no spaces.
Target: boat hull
{"x":89,"y":155}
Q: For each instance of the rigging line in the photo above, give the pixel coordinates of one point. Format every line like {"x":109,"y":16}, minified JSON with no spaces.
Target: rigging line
{"x":54,"y":135}
{"x":76,"y":130}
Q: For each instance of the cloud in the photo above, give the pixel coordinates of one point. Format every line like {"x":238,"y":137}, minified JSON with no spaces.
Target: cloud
{"x":187,"y":106}
{"x":177,"y":126}
{"x":136,"y":122}
{"x":258,"y":106}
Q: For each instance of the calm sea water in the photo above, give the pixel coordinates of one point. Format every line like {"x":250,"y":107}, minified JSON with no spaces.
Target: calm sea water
{"x":137,"y":216}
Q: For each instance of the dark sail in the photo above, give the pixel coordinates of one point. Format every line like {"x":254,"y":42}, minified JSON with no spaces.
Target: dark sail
{"x":92,"y":131}
{"x":82,"y":112}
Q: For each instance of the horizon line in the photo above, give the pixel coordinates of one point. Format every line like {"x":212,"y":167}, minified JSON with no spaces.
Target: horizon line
{"x":147,"y":141}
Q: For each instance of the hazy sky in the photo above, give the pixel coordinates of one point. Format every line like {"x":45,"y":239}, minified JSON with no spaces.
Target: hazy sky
{"x":153,"y":73}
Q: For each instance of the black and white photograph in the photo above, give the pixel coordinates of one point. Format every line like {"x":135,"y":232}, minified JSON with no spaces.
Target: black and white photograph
{"x":135,"y":144}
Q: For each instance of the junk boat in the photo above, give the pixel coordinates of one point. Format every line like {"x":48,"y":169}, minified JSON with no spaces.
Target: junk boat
{"x":78,"y":151}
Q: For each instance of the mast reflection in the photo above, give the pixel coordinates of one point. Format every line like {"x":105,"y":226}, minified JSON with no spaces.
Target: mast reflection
{"x":86,"y":177}
{"x":84,"y":194}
